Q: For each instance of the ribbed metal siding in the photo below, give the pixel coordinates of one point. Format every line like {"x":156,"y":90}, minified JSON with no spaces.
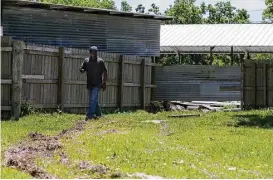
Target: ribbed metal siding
{"x":123,"y":35}
{"x":140,"y":36}
{"x":55,"y":27}
{"x":193,"y":83}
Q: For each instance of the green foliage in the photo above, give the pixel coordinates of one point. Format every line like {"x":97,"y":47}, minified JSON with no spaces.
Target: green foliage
{"x":224,"y":13}
{"x":199,"y":59}
{"x":105,"y":4}
{"x":268,"y":12}
{"x":263,"y":57}
{"x":154,"y":9}
{"x":125,"y":6}
{"x":140,"y":8}
{"x":184,"y":12}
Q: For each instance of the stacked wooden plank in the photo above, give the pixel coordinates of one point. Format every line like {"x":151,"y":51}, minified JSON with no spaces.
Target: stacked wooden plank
{"x":205,"y":105}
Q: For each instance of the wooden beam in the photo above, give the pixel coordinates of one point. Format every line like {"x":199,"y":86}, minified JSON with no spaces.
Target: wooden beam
{"x":33,"y":76}
{"x":43,"y":53}
{"x":60,"y":99}
{"x":6,"y":81}
{"x":45,"y":49}
{"x":231,"y":56}
{"x":40,"y":81}
{"x":138,"y":85}
{"x":265,"y":85}
{"x":243,"y":85}
{"x":6,"y":49}
{"x":179,"y":57}
{"x":254,"y":79}
{"x":87,"y":105}
{"x":71,"y":82}
{"x":211,"y":55}
{"x":132,"y":62}
{"x":17,"y":68}
{"x":143,"y":84}
{"x":5,"y":108}
{"x":153,"y":81}
{"x":121,"y":82}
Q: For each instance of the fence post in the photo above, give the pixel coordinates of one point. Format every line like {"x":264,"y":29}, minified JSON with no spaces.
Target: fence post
{"x":121,"y":82}
{"x":143,"y":67}
{"x":61,"y":78}
{"x":254,"y":84}
{"x":242,"y":85}
{"x":265,"y":85}
{"x":17,"y":68}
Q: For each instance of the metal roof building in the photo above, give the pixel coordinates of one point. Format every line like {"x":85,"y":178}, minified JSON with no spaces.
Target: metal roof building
{"x":80,"y":27}
{"x":218,"y":38}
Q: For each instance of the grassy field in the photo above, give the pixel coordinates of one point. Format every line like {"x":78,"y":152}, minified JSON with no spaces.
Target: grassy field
{"x":215,"y":145}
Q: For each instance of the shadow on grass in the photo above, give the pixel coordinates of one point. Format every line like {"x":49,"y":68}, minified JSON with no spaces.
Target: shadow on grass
{"x":254,"y":121}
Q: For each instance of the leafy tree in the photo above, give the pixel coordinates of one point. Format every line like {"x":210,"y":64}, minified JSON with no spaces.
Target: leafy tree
{"x":223,"y":12}
{"x":125,"y":6}
{"x":106,"y":4}
{"x":154,"y":9}
{"x":184,"y":12}
{"x":268,"y":12}
{"x":140,"y":8}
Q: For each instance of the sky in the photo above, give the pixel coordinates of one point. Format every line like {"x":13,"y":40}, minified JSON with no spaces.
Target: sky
{"x":254,"y":7}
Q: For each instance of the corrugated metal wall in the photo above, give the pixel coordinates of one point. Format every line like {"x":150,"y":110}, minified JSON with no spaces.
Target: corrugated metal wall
{"x":131,"y":36}
{"x":198,"y":83}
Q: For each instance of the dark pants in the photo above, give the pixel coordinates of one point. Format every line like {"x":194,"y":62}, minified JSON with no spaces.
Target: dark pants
{"x":94,"y":107}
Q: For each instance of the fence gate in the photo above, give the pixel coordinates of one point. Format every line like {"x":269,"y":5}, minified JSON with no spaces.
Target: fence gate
{"x":198,"y":83}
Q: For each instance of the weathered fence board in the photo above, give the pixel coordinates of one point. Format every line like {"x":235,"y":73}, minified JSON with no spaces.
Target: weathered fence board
{"x":258,"y":84}
{"x":48,"y":73}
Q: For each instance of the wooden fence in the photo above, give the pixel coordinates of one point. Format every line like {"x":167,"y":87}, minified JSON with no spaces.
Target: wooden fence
{"x":48,"y":77}
{"x":257,"y":84}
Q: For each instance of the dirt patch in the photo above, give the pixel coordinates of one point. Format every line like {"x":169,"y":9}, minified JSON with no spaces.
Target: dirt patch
{"x":22,"y":157}
{"x":64,"y":159}
{"x":79,"y":126}
{"x":89,"y":166}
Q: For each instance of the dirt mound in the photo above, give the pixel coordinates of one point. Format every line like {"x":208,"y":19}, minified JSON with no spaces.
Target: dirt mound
{"x":100,"y":169}
{"x":79,"y":126}
{"x":22,"y":157}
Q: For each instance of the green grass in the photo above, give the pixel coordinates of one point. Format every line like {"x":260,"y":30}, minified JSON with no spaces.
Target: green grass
{"x":222,"y":145}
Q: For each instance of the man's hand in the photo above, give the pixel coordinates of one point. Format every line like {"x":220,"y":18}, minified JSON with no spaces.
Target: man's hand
{"x":82,"y":70}
{"x":103,"y":86}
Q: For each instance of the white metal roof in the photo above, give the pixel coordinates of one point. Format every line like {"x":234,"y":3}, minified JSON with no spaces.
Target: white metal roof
{"x":199,"y":38}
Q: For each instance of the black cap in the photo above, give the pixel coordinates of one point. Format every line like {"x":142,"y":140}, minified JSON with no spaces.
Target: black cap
{"x":93,"y":48}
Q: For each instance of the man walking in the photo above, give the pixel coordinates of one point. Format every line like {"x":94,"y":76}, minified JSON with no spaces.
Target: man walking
{"x":95,"y":69}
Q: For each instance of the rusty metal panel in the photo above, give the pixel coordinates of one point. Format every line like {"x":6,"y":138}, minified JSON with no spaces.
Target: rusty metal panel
{"x":196,"y":83}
